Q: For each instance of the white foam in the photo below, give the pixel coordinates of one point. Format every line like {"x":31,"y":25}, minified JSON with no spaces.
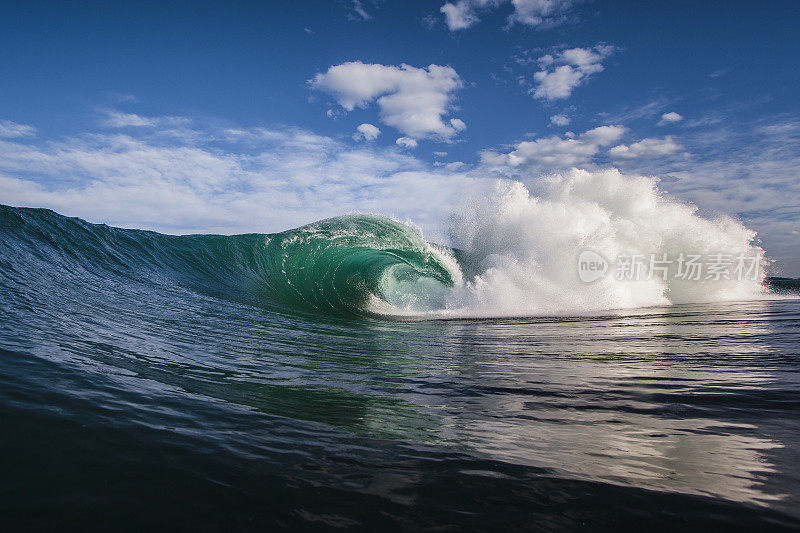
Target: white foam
{"x":524,"y":243}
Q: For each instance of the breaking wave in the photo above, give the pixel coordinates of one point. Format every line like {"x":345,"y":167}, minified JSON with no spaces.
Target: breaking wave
{"x":515,"y":251}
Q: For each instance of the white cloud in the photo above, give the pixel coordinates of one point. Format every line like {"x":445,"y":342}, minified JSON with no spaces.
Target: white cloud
{"x":462,"y":14}
{"x":650,"y":147}
{"x":549,"y":153}
{"x":560,"y":120}
{"x":454,"y":166}
{"x":406,"y":142}
{"x":633,"y":112}
{"x":116,"y":119}
{"x":11,"y":130}
{"x":670,"y":118}
{"x":226,"y":180}
{"x":458,"y":124}
{"x":412,"y":100}
{"x":540,"y":12}
{"x":565,"y":71}
{"x":359,"y":10}
{"x":366,"y":132}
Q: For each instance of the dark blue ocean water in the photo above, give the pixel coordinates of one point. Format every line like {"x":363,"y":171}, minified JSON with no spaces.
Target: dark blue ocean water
{"x":151,"y":382}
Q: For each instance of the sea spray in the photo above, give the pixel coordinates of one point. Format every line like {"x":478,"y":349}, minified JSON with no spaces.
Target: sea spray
{"x":524,"y":244}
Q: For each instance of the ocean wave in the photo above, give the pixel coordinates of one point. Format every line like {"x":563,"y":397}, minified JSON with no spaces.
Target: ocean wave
{"x":515,"y":253}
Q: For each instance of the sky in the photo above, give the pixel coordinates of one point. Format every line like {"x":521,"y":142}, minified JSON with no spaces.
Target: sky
{"x":230,"y":117}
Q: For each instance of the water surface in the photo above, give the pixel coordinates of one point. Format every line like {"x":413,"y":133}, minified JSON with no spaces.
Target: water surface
{"x":151,"y":381}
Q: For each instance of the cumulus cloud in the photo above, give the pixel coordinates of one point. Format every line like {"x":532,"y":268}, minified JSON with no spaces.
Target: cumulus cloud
{"x":406,"y":142}
{"x":463,"y":14}
{"x":459,"y":15}
{"x":366,"y":132}
{"x":550,"y":153}
{"x":458,"y":124}
{"x":670,"y":118}
{"x":561,"y":73}
{"x":560,"y":120}
{"x":650,"y":148}
{"x":11,"y":130}
{"x":412,"y":100}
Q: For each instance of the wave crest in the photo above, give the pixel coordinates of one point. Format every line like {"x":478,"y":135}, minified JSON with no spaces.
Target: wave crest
{"x":359,"y":263}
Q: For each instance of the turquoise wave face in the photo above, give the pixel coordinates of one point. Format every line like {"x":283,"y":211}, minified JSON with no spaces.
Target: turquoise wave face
{"x":356,"y":264}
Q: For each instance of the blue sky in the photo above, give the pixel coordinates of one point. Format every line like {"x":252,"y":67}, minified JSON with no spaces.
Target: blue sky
{"x":201,"y":116}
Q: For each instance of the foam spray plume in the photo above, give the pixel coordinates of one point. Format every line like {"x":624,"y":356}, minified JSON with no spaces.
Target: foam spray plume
{"x":524,"y":247}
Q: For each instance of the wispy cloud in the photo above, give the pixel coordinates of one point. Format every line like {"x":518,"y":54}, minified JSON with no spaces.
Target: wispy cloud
{"x":633,"y":112}
{"x":115,"y":119}
{"x":118,"y":119}
{"x":719,"y":73}
{"x":228,"y":179}
{"x":463,"y":14}
{"x":540,"y":13}
{"x":11,"y":130}
{"x":358,"y":9}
